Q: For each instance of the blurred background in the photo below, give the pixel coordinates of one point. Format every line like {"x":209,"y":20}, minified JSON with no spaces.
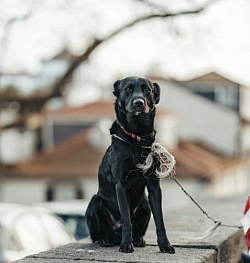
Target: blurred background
{"x":58,"y":62}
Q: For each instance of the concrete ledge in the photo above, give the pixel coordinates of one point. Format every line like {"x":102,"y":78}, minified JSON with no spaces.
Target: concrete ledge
{"x":93,"y":253}
{"x":225,"y":245}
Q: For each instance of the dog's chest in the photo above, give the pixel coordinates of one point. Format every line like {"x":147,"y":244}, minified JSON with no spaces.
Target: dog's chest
{"x":136,"y":183}
{"x":139,"y":155}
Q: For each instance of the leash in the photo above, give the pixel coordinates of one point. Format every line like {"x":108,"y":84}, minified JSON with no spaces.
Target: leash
{"x":167,"y":169}
{"x":217,"y":223}
{"x":200,"y":208}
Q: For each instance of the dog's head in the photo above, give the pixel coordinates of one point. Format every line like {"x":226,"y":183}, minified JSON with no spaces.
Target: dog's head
{"x":136,"y":95}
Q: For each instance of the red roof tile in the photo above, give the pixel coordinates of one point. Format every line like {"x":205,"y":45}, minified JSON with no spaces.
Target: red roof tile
{"x":96,"y":110}
{"x":195,"y":160}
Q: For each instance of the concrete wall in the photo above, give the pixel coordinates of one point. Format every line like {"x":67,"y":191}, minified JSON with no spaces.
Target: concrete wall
{"x":183,"y":226}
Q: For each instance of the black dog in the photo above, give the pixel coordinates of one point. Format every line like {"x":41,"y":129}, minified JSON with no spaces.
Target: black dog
{"x":119,"y":214}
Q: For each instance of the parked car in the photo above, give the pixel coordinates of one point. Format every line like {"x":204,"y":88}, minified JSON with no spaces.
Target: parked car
{"x":73,"y":214}
{"x":27,"y":230}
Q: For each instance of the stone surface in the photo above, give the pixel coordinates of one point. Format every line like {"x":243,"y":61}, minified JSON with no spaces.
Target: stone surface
{"x":93,"y":253}
{"x":226,"y":244}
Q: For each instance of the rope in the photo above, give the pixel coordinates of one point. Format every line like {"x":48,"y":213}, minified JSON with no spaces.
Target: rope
{"x":217,"y":223}
{"x":165,"y":158}
{"x":201,"y":209}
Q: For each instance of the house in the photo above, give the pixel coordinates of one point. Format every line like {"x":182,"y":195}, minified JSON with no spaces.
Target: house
{"x":217,"y":88}
{"x":204,"y":172}
{"x":230,"y":94}
{"x":213,"y":109}
{"x":69,"y":168}
{"x":224,"y":175}
{"x":22,"y":95}
{"x":18,"y":136}
{"x":67,"y":172}
{"x":64,"y":123}
{"x":74,"y":141}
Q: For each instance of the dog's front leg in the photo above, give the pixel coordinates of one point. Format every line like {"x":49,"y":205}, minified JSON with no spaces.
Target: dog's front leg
{"x":155,"y":200}
{"x":123,"y":201}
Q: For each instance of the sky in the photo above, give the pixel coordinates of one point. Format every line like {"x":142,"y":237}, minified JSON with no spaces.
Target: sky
{"x":217,"y":39}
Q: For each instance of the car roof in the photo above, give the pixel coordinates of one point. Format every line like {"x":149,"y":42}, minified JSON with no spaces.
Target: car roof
{"x":72,"y":207}
{"x":7,"y":207}
{"x":10,"y":211}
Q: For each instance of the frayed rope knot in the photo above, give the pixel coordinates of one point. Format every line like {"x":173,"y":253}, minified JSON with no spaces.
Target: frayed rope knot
{"x":166,"y":159}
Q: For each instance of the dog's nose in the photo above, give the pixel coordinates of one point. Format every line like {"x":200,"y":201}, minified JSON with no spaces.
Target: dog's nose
{"x":139,"y":102}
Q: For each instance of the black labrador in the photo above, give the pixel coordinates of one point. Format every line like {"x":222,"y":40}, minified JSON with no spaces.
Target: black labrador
{"x":119,"y":213}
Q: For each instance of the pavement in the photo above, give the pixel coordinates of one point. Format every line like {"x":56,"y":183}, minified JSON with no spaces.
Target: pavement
{"x":183,"y":226}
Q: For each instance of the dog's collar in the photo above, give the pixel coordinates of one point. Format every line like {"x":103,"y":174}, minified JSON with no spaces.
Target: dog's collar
{"x":135,"y":136}
{"x":117,"y":137}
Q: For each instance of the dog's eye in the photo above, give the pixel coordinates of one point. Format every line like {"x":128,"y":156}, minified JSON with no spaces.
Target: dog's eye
{"x":145,"y":88}
{"x":128,"y":88}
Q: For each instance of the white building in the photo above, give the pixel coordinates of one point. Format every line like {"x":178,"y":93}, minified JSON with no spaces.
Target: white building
{"x":213,"y":109}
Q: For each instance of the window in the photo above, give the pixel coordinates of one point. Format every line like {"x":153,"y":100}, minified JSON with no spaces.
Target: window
{"x":223,"y":94}
{"x":63,"y":191}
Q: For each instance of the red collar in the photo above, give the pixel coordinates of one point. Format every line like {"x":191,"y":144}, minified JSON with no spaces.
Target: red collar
{"x":134,"y":136}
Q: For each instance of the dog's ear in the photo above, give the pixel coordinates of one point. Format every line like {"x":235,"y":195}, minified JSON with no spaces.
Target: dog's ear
{"x":116,"y":88}
{"x":157,"y":92}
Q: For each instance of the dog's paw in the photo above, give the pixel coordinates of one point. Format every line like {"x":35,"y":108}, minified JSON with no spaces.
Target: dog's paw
{"x":126,"y":248}
{"x":167,"y":248}
{"x":105,"y":243}
{"x":139,"y":242}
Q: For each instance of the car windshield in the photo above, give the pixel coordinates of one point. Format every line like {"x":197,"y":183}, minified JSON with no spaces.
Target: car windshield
{"x":76,"y":224}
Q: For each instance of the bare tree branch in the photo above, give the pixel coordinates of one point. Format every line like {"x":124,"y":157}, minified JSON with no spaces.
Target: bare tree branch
{"x":57,"y":91}
{"x":59,"y":86}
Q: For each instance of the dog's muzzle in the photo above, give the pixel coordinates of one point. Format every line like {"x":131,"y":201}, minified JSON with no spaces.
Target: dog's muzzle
{"x":139,"y":106}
